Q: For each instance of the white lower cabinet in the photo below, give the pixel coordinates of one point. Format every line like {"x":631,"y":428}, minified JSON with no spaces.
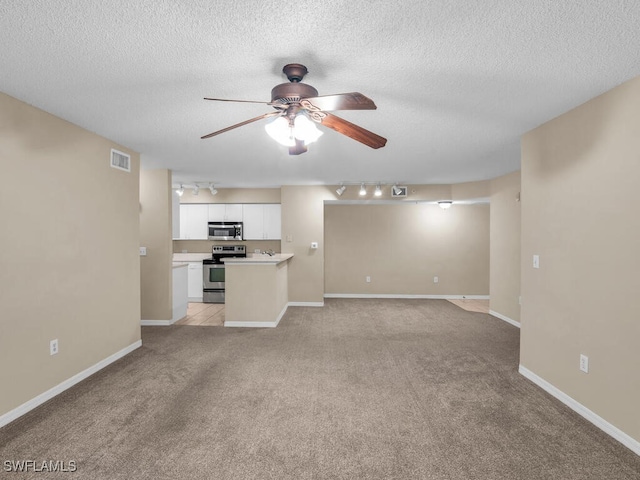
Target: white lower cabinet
{"x":194,"y":281}
{"x":261,"y":221}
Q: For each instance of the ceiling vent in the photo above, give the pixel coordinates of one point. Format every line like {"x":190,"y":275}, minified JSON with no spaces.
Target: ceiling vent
{"x":120,"y":160}
{"x":397,"y":191}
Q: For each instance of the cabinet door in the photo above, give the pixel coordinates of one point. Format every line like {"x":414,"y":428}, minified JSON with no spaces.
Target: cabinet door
{"x":225,"y":212}
{"x":215,"y":212}
{"x":193,"y":222}
{"x":194,"y":281}
{"x":233,"y":212}
{"x":253,"y":218}
{"x":272,"y":222}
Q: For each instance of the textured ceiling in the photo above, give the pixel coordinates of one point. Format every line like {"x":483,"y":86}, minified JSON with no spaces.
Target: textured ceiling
{"x":456,"y":82}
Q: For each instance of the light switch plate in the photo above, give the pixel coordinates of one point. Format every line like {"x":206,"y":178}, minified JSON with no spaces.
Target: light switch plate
{"x":143,"y":251}
{"x":536,"y":261}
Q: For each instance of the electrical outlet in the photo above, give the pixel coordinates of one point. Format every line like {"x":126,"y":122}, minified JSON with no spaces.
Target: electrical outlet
{"x":289,"y":238}
{"x":53,"y":347}
{"x":584,"y":363}
{"x":143,"y":251}
{"x":368,"y":279}
{"x":436,"y":279}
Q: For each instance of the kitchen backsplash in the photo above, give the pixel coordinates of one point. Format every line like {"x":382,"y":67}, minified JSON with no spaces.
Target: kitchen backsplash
{"x":204,"y":246}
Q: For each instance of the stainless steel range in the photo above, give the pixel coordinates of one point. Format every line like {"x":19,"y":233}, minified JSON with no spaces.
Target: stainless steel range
{"x":213,"y":271}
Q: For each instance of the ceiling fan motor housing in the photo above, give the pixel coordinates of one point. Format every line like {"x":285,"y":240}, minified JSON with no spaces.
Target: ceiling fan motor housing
{"x":288,"y":93}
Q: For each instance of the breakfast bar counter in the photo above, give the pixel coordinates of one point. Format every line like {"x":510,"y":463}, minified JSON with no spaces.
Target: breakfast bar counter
{"x":256,"y":290}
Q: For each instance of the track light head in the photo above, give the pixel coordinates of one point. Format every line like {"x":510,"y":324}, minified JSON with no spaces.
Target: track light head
{"x":196,"y":189}
{"x":212,"y":189}
{"x":180,"y":190}
{"x":378,"y":191}
{"x":363,"y":190}
{"x":341,"y":190}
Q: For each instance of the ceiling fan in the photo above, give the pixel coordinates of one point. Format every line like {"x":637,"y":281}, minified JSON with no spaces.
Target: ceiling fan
{"x":297,"y":103}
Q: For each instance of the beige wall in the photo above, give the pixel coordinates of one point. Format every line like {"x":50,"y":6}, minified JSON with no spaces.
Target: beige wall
{"x":256,"y":293}
{"x":504,"y":285}
{"x":155,"y":234}
{"x":580,"y":199}
{"x":402,"y":247}
{"x":303,"y":223}
{"x":68,"y":251}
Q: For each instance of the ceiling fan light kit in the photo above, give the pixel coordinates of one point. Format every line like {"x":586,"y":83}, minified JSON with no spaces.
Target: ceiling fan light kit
{"x":299,"y":108}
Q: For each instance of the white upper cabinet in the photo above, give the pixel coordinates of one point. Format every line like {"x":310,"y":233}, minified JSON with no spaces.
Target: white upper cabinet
{"x":261,"y":221}
{"x":193,"y":221}
{"x":225,"y":212}
{"x":272,"y":222}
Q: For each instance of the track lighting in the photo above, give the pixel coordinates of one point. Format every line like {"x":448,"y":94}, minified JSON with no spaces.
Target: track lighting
{"x":444,"y":204}
{"x":378,"y":191}
{"x":180,"y":190}
{"x":213,"y":189}
{"x":196,"y":189}
{"x":363,"y":190}
{"x":341,"y":190}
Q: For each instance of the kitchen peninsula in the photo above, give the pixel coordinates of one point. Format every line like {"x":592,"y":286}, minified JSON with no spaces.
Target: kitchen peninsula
{"x":256,"y":290}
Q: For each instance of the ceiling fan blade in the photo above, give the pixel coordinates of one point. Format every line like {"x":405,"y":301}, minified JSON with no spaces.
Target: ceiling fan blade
{"x":353,"y":131}
{"x":341,"y":101}
{"x":298,"y":148}
{"x":266,"y":115}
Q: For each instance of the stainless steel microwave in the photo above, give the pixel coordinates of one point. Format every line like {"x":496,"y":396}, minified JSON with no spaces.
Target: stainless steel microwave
{"x":225,"y":231}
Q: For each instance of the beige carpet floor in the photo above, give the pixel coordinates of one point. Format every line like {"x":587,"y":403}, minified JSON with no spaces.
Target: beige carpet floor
{"x":359,"y":389}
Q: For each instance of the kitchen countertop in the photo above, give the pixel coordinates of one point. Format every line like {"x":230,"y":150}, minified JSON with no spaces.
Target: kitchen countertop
{"x":190,"y":257}
{"x":180,"y":264}
{"x":258,"y":259}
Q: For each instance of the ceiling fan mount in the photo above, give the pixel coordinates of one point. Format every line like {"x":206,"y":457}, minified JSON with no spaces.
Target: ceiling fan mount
{"x":294,"y":99}
{"x":295,"y":72}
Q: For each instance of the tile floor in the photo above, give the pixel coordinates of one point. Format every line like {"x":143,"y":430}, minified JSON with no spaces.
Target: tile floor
{"x":471,"y":305}
{"x":204,"y":315}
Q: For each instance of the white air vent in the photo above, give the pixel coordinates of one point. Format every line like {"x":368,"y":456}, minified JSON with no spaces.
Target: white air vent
{"x":397,"y":191}
{"x":120,"y":160}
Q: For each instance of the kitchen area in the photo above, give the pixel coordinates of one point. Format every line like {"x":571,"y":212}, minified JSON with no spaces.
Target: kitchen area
{"x":219,"y":245}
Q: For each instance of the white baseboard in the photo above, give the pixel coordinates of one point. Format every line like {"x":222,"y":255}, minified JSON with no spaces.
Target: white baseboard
{"x":306,"y":304}
{"x":61,"y":387}
{"x":273,"y":324}
{"x":505,"y":318}
{"x":178,"y":313}
{"x":395,"y":295}
{"x":598,"y":421}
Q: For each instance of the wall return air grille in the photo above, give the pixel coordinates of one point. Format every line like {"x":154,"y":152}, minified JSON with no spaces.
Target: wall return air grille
{"x":120,"y":160}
